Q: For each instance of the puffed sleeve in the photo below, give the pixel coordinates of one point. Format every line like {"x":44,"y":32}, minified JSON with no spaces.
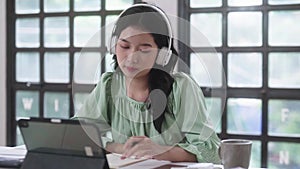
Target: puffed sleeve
{"x":96,"y":107}
{"x":190,"y":112}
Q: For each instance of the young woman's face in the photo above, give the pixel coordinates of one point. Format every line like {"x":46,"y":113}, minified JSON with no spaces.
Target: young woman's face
{"x":136,"y":52}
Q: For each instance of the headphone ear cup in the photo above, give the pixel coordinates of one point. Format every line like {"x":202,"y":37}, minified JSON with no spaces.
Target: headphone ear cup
{"x":112,"y":45}
{"x":163,"y":56}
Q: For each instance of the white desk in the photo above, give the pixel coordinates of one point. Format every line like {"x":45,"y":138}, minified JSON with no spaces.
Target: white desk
{"x":146,"y":164}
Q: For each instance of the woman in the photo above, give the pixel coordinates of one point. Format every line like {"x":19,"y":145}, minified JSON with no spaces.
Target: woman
{"x":152,"y":114}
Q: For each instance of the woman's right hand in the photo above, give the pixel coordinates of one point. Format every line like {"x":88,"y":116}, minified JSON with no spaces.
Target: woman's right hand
{"x":115,"y":148}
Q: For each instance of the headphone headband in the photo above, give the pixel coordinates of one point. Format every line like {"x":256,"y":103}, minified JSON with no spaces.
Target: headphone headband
{"x":167,"y":52}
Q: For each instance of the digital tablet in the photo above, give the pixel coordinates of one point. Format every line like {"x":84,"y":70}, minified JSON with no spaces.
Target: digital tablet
{"x":61,"y":139}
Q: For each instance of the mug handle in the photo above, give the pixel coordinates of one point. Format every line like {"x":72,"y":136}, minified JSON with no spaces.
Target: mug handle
{"x":219,"y":152}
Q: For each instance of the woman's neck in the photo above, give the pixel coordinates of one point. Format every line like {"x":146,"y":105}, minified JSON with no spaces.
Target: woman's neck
{"x":137,"y":88}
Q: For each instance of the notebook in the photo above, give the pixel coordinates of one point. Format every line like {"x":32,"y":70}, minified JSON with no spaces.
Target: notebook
{"x":62,"y":143}
{"x":115,"y":161}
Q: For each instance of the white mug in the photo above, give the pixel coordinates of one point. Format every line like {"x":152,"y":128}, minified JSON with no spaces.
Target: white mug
{"x":235,"y":153}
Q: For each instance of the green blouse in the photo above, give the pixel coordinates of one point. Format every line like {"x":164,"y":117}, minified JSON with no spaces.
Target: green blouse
{"x":185,"y":124}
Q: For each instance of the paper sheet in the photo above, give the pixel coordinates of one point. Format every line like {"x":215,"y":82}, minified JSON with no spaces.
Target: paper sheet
{"x":115,"y":161}
{"x":13,"y":152}
{"x":12,"y":156}
{"x":147,"y":164}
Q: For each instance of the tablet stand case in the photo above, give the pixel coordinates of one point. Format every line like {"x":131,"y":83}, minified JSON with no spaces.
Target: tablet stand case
{"x":42,"y":160}
{"x":66,"y":144}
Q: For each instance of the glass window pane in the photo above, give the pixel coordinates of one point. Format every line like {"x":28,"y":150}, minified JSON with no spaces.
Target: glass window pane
{"x":79,"y":99}
{"x":87,"y":67}
{"x":110,"y":22}
{"x":255,"y":160}
{"x":56,"y":5}
{"x":244,"y":2}
{"x":245,"y":69}
{"x":214,"y":112}
{"x":28,"y":32}
{"x":84,"y":5}
{"x":56,"y":105}
{"x":284,"y":118}
{"x":28,"y":67}
{"x":57,"y":67}
{"x":283,"y":155}
{"x":281,"y":2}
{"x":205,"y":27}
{"x":87,"y":31}
{"x":118,"y":4}
{"x":284,"y":70}
{"x":19,"y":137}
{"x":284,"y":26}
{"x":207,"y":69}
{"x":109,"y":63}
{"x":27,"y":104}
{"x":29,"y":6}
{"x":57,"y":32}
{"x":244,"y":116}
{"x":205,"y":3}
{"x":245,"y":29}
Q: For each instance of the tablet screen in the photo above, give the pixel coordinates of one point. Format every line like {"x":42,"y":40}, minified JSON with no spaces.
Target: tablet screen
{"x":61,"y":136}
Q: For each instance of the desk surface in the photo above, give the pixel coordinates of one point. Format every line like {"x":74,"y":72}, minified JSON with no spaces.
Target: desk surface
{"x":143,"y":164}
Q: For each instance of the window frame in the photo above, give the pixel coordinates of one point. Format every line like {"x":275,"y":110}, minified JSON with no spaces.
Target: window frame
{"x":264,"y":93}
{"x":42,"y":86}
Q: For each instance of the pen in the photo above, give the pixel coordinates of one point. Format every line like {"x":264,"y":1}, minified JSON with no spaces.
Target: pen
{"x":136,"y":142}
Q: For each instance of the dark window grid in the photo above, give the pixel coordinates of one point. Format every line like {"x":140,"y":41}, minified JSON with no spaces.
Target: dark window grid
{"x":43,"y":87}
{"x":225,"y":7}
{"x":264,"y":93}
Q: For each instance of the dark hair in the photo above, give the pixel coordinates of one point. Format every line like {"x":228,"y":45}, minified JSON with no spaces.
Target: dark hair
{"x":151,"y":20}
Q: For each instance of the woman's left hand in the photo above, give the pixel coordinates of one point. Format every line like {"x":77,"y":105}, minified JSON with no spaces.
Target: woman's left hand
{"x":142,"y":146}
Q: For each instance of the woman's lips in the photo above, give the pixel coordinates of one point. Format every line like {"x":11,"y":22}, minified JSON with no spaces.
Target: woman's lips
{"x":131,"y":69}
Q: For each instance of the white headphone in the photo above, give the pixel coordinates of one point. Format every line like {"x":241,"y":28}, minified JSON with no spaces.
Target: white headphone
{"x":164,"y":54}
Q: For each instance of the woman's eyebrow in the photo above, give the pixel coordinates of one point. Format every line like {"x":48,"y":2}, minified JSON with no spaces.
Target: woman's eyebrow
{"x":142,"y":44}
{"x":124,"y":40}
{"x":146,"y":44}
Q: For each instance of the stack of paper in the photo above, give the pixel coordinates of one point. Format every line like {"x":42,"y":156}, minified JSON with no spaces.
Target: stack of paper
{"x":115,"y":161}
{"x":12,"y":156}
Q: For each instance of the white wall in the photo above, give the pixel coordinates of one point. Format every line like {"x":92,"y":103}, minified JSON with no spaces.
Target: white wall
{"x":171,"y":9}
{"x":2,"y":72}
